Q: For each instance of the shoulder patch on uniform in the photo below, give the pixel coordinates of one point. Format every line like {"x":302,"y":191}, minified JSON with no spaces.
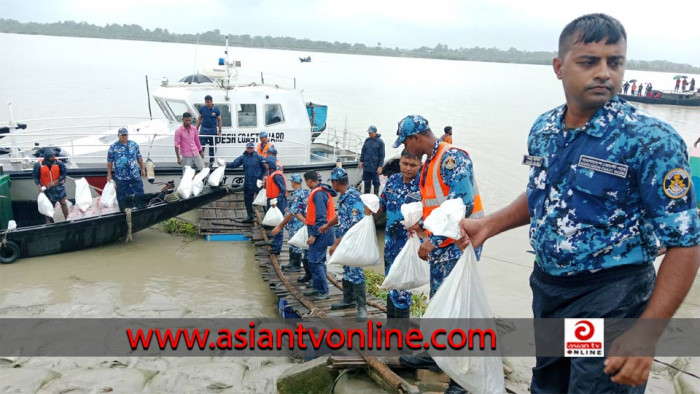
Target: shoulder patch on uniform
{"x":355,"y":212}
{"x":450,"y":163}
{"x":676,"y":183}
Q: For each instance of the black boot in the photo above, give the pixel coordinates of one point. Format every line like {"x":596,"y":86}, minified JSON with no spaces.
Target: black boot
{"x":361,"y":300}
{"x":348,"y":297}
{"x":249,"y":211}
{"x":294,"y":262}
{"x":307,"y":270}
{"x":454,"y":388}
{"x":419,"y":361}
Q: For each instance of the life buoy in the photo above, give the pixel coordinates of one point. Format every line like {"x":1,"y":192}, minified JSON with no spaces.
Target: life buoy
{"x":9,"y":252}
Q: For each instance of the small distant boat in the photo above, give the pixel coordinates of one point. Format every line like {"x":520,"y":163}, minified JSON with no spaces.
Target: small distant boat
{"x":666,"y":98}
{"x":68,"y":236}
{"x":305,"y":59}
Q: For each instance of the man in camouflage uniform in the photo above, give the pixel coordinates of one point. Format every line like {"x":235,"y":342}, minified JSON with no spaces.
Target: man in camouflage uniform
{"x":401,"y":188}
{"x":351,"y":210}
{"x":456,"y":173}
{"x":294,"y":221}
{"x":606,"y":181}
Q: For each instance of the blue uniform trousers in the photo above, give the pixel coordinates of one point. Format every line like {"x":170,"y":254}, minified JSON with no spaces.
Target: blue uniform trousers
{"x":317,"y":260}
{"x":249,"y":190}
{"x":279,"y":238}
{"x":206,"y":137}
{"x":619,"y":292}
{"x":371,"y":178}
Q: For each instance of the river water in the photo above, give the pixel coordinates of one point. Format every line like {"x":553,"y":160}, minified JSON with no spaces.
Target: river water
{"x":491,"y":107}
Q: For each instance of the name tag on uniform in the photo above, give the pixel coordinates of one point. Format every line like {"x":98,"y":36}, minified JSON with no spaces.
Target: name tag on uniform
{"x":534,"y":161}
{"x":604,"y":166}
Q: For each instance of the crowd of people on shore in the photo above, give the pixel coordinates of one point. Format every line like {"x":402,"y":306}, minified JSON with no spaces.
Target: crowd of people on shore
{"x":597,"y":201}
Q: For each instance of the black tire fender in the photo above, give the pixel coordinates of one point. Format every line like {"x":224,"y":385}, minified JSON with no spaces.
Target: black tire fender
{"x":9,"y":252}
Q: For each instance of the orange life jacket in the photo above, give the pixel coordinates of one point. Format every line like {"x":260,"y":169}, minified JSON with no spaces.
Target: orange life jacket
{"x":271,"y":189}
{"x":311,"y":207}
{"x":48,"y":176}
{"x":263,"y":151}
{"x":433,"y":196}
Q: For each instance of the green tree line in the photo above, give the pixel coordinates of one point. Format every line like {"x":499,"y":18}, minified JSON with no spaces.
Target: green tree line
{"x":215,"y":37}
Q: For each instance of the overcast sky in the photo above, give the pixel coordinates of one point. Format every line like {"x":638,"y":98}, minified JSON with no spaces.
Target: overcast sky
{"x":665,"y":30}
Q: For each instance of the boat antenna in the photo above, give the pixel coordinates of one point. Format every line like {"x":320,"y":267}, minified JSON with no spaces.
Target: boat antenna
{"x":148,"y":96}
{"x":194,"y":66}
{"x":228,"y":70}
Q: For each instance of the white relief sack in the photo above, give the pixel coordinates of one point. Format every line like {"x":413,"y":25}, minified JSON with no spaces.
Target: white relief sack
{"x":198,"y":181}
{"x":184,"y":189}
{"x":408,"y":270}
{"x":109,"y":195}
{"x":300,"y":237}
{"x":261,"y":198}
{"x":83,"y":197}
{"x":44,"y":205}
{"x":217,"y":176}
{"x":371,"y":201}
{"x":273,"y":217}
{"x":358,"y":248}
{"x":461,"y":296}
{"x":444,"y":220}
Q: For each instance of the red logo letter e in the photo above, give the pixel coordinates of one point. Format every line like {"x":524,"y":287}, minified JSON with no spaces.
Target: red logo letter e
{"x":584,"y":330}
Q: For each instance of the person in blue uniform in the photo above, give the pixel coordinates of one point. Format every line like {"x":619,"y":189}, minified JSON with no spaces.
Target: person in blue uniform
{"x":351,"y":210}
{"x":210,"y":122}
{"x":401,"y":188}
{"x":270,"y":160}
{"x":447,"y":173}
{"x":124,"y":157}
{"x":372,"y":159}
{"x":276,"y":189}
{"x":254,"y":170}
{"x":320,"y":209}
{"x":606,"y":182}
{"x":293,"y":222}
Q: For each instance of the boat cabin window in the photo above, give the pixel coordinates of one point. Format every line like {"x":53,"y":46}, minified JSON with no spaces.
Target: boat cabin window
{"x":177,"y":108}
{"x":165,"y":109}
{"x":225,"y":113}
{"x":273,"y":114}
{"x":247,"y":115}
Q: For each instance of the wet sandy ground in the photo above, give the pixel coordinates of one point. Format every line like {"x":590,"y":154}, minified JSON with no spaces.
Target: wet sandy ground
{"x":160,"y":275}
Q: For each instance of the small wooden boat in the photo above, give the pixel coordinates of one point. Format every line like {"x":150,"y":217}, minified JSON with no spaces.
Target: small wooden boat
{"x":666,"y":98}
{"x":305,"y":59}
{"x":42,"y":240}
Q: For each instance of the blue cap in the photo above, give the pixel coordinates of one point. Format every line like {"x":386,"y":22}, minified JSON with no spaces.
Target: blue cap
{"x":263,"y":134}
{"x":123,"y":131}
{"x":408,"y":126}
{"x":372,"y":129}
{"x":272,"y":150}
{"x":338,"y":173}
{"x":296,"y":178}
{"x":250,"y":145}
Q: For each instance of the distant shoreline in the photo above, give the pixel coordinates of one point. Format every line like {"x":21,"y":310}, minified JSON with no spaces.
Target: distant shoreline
{"x":215,"y":37}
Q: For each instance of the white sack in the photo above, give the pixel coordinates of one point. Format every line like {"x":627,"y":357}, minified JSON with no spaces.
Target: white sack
{"x":83,"y":197}
{"x":273,"y":217}
{"x":371,"y":201}
{"x":300,"y":237}
{"x":44,"y":205}
{"x":461,"y":296}
{"x":217,"y":176}
{"x":412,"y":213}
{"x":261,"y":198}
{"x":444,"y":220}
{"x":358,"y":248}
{"x":408,"y":270}
{"x":109,"y":195}
{"x":198,"y":181}
{"x":184,"y":189}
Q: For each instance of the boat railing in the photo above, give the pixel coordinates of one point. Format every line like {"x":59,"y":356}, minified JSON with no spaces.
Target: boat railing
{"x":343,"y":142}
{"x":62,"y":123}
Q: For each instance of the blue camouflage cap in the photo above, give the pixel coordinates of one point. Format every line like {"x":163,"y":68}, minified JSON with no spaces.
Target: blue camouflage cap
{"x":296,"y":178}
{"x":250,"y":145}
{"x":372,"y":129}
{"x":338,"y":173}
{"x":408,"y":126}
{"x":123,"y":131}
{"x":263,"y":134}
{"x":272,"y":150}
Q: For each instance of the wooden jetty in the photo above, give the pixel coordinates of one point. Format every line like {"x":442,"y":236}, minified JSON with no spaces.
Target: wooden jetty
{"x":224,"y":216}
